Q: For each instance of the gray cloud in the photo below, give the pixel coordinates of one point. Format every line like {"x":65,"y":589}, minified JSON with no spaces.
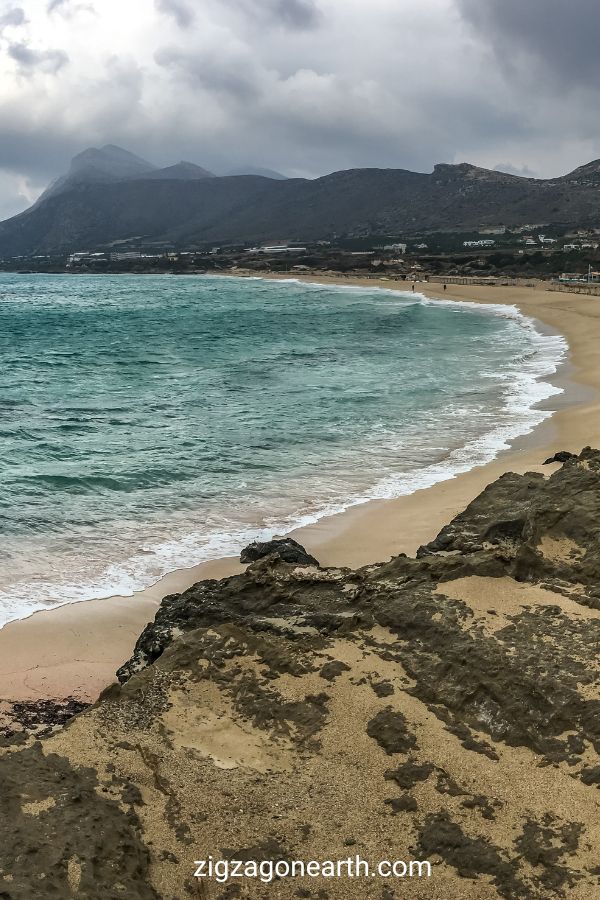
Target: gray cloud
{"x":295,"y":13}
{"x":302,"y":86}
{"x":69,"y":8}
{"x":214,"y":71}
{"x":30,"y":60}
{"x":179,"y":10}
{"x":34,"y":148}
{"x":291,"y":14}
{"x":561,"y":38}
{"x":522,"y":171}
{"x":13,"y":17}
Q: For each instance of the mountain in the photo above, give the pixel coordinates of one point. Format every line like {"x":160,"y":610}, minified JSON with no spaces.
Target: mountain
{"x":109,"y":163}
{"x":588,"y":174}
{"x":111,"y":195}
{"x":181,"y":171}
{"x":257,"y":170}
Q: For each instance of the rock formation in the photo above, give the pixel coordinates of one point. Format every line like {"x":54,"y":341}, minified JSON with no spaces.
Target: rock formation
{"x":442,"y":708}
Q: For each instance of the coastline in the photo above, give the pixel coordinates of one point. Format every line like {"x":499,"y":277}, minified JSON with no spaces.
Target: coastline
{"x":74,"y":650}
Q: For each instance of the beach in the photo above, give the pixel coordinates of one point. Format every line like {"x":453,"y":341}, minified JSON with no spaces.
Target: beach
{"x":74,"y":651}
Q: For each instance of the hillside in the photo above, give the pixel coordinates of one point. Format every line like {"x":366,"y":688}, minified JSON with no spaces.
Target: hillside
{"x":183,"y":204}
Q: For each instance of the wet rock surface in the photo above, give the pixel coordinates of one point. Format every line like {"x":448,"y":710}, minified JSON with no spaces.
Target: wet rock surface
{"x":444,"y":707}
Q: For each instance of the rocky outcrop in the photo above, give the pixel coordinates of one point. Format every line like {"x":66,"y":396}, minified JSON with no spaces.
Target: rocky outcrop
{"x":535,"y":529}
{"x":560,"y":457}
{"x":443,"y":708}
{"x":287,"y":549}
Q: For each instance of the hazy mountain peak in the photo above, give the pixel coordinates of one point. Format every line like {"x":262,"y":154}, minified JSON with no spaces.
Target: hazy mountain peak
{"x":258,"y":170}
{"x":108,"y":163}
{"x":110,"y":160}
{"x":181,"y":171}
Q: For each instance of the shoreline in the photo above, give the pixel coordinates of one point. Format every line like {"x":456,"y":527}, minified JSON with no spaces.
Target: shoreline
{"x":74,"y":650}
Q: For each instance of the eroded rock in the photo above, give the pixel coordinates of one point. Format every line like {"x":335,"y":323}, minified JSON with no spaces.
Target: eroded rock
{"x":254,"y":711}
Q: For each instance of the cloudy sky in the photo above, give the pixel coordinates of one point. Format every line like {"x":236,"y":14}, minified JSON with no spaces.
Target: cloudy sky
{"x":303,"y":86}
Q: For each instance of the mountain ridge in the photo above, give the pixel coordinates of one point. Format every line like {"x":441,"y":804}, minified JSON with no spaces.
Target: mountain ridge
{"x":181,"y":171}
{"x":110,"y":195}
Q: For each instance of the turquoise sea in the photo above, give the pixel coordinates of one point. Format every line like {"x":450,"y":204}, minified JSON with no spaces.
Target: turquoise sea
{"x":148,"y":423}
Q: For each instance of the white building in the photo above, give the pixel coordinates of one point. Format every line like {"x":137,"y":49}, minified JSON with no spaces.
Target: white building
{"x":132,"y":254}
{"x":83,"y":256}
{"x":277,"y":248}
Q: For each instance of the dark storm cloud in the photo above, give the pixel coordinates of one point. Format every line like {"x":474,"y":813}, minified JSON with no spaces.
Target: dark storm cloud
{"x":213,"y":71}
{"x":561,"y":37}
{"x":296,"y":13}
{"x":291,"y":14}
{"x":35,"y":149}
{"x":30,"y":60}
{"x":179,"y":10}
{"x":303,"y":86}
{"x":14,"y":16}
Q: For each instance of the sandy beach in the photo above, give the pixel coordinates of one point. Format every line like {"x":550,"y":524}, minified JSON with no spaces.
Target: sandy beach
{"x":74,"y":651}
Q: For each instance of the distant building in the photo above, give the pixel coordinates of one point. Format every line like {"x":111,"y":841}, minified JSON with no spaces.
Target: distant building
{"x":482,"y":243}
{"x":492,"y":229}
{"x":276,"y":248}
{"x":572,"y":278}
{"x":83,"y":256}
{"x":120,"y":257}
{"x":396,"y":248}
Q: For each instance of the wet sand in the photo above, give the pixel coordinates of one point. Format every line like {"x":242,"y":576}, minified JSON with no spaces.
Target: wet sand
{"x":74,"y":651}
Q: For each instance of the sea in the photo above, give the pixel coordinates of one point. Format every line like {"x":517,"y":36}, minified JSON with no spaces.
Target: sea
{"x":148,"y":423}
